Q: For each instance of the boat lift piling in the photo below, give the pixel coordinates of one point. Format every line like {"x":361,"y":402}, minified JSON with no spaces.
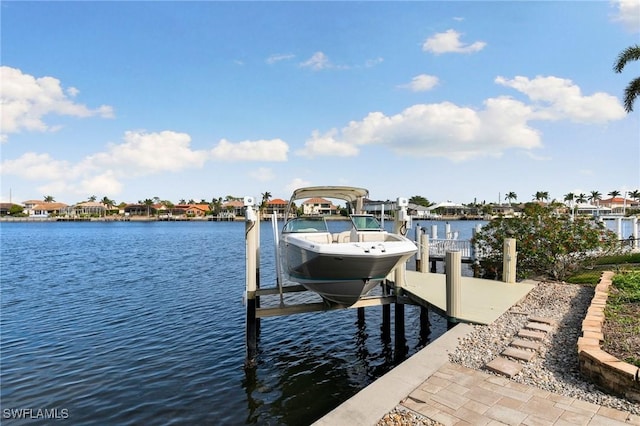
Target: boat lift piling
{"x":252,"y":272}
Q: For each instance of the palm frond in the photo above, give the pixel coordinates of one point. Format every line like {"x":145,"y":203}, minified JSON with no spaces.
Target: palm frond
{"x":631,"y":53}
{"x":631,"y":92}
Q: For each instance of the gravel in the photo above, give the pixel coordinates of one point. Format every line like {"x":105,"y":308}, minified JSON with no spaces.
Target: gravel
{"x":554,"y":368}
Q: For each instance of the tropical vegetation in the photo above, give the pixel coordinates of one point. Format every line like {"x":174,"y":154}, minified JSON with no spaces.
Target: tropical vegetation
{"x":549,"y":243}
{"x":632,"y":90}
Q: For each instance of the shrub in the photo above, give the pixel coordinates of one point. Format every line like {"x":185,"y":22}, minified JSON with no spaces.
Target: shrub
{"x":549,"y":243}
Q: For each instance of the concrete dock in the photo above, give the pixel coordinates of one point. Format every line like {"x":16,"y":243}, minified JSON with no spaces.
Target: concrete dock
{"x":482,"y":301}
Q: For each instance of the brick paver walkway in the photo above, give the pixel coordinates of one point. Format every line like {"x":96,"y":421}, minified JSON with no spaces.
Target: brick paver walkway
{"x":456,"y":395}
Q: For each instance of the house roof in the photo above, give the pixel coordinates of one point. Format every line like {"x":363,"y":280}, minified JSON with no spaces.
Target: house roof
{"x":277,"y":201}
{"x":234,"y":203}
{"x":316,"y":200}
{"x":91,"y":204}
{"x":49,"y":206}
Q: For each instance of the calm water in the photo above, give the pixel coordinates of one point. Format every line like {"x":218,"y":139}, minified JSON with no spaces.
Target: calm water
{"x":143,"y":323}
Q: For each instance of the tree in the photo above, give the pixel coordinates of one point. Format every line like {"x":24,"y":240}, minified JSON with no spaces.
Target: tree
{"x":595,"y":197}
{"x":148,"y":202}
{"x":632,"y":90}
{"x":511,"y":196}
{"x":614,"y":193}
{"x":541,"y":196}
{"x":266,"y":196}
{"x":581,"y":198}
{"x":569,"y":197}
{"x":49,"y":199}
{"x":548,"y":242}
{"x":635,"y":195}
{"x":420,"y":200}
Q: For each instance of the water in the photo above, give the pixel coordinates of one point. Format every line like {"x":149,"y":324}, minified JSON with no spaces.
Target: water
{"x":143,"y":323}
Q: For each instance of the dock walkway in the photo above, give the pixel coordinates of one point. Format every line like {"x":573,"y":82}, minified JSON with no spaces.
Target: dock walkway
{"x":482,"y":301}
{"x":451,"y":394}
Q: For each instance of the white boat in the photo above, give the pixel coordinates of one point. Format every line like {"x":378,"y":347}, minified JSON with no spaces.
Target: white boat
{"x":339,"y":266}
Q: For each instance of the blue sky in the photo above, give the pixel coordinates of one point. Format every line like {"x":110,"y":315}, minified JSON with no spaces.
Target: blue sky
{"x":456,"y":101}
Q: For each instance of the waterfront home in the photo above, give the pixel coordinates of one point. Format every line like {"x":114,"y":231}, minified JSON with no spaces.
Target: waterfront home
{"x":38,"y":208}
{"x":319,"y":206}
{"x":619,"y":205}
{"x":275,"y":207}
{"x":89,"y":208}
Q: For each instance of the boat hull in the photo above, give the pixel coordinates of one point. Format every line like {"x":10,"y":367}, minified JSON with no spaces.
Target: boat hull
{"x":342,"y":273}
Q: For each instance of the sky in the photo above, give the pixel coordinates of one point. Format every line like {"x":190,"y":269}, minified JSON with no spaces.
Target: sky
{"x":459,"y":101}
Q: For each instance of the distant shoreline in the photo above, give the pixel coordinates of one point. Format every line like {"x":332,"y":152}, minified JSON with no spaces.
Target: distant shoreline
{"x":138,"y":219}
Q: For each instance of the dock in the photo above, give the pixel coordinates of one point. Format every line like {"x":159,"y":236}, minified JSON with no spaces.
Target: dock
{"x":482,"y":301}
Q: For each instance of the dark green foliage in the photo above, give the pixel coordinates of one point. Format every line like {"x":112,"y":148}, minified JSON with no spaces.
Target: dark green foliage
{"x":549,"y":243}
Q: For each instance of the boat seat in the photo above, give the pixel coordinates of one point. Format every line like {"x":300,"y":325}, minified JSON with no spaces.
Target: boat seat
{"x":341,"y":237}
{"x":366,"y":237}
{"x":323,"y":238}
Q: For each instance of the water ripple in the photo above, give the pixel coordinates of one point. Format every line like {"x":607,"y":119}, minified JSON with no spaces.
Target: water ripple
{"x":130,"y":323}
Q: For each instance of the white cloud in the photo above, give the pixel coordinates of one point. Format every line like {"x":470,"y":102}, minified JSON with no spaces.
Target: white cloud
{"x":421,"y":83}
{"x":26,"y":100}
{"x":462,"y":133}
{"x":628,"y":14}
{"x":147,"y":153}
{"x":261,"y":150}
{"x":297,"y":183}
{"x":318,"y":61}
{"x":33,"y":166}
{"x":449,"y":42}
{"x":327,"y":145}
{"x":279,"y":57}
{"x":140,"y":154}
{"x":557,"y":98}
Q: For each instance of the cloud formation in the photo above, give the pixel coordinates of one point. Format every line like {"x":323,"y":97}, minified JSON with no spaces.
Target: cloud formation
{"x":449,"y":42}
{"x":421,"y":83}
{"x":261,"y":150}
{"x":26,"y":100}
{"x":628,"y":14}
{"x":462,"y":133}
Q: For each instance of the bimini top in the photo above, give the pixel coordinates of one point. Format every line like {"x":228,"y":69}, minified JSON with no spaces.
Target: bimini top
{"x":347,"y":193}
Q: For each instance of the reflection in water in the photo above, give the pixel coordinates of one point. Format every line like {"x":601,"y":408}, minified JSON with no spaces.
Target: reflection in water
{"x":298,"y":379}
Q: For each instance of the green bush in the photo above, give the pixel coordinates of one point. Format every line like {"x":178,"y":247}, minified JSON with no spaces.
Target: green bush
{"x":629,"y":285}
{"x":549,"y":243}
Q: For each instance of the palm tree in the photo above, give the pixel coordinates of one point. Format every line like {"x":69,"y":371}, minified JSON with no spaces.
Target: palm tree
{"x":570,"y":197}
{"x":632,"y":90}
{"x":266,"y":196}
{"x":108,"y":203}
{"x":148,"y":202}
{"x":595,"y":197}
{"x":582,"y":198}
{"x":49,"y":199}
{"x":511,"y":196}
{"x":614,"y":193}
{"x":541,"y":195}
{"x":635,"y":195}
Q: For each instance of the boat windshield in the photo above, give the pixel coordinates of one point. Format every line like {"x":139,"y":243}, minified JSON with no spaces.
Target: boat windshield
{"x":365,"y":223}
{"x":306,"y":224}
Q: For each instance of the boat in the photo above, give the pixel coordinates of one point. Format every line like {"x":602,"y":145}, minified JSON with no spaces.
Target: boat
{"x":340,"y":266}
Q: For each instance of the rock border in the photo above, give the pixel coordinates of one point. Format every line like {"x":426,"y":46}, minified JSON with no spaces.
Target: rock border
{"x":600,"y":367}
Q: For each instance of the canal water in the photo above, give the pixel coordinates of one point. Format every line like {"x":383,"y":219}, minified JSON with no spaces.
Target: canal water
{"x":143,"y":323}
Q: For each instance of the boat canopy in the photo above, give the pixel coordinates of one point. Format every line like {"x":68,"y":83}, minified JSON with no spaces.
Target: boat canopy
{"x":347,"y":193}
